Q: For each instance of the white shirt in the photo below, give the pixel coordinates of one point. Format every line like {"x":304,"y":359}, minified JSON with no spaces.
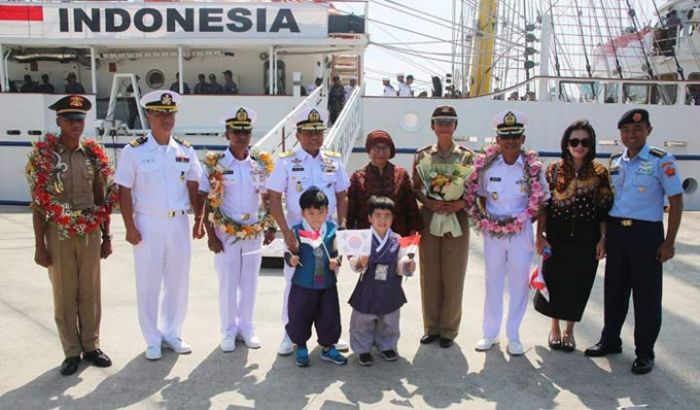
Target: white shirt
{"x":297,"y":171}
{"x":389,"y":91}
{"x":158,"y":177}
{"x":244,"y":181}
{"x":348,"y":91}
{"x":405,"y":90}
{"x":503,"y":186}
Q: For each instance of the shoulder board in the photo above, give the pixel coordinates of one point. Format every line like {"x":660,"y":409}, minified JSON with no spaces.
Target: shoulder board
{"x":657,"y":152}
{"x":427,"y":147}
{"x":332,"y":153}
{"x":138,"y":141}
{"x":614,"y":156}
{"x":286,"y":154}
{"x":182,"y":142}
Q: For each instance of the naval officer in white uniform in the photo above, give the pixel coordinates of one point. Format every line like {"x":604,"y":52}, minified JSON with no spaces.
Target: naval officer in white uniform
{"x":502,"y":187}
{"x":295,"y":172}
{"x":236,"y":220}
{"x":158,"y":176}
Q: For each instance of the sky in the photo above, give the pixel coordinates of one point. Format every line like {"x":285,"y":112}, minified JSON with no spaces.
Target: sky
{"x":381,"y":62}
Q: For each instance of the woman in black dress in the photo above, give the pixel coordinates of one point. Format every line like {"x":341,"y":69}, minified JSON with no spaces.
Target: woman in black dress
{"x":575,"y":231}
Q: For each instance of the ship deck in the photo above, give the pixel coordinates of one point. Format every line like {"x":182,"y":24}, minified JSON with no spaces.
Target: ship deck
{"x":424,"y":376}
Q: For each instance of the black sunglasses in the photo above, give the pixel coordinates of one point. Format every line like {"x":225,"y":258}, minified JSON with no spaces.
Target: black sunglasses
{"x":585,"y":143}
{"x":509,"y":137}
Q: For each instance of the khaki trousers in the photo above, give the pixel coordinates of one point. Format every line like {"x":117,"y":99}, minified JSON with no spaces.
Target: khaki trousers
{"x":443,"y":265}
{"x":75,"y":278}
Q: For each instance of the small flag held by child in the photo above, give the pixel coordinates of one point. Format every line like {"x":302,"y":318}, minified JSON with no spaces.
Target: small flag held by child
{"x":409,"y":245}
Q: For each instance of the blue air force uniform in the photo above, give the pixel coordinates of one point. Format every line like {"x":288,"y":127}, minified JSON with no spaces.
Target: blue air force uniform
{"x":635,"y":232}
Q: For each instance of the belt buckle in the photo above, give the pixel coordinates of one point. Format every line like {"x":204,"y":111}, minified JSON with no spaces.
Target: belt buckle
{"x":171,"y":214}
{"x":627,"y":222}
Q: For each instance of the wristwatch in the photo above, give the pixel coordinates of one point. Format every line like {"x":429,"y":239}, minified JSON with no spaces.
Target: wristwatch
{"x":106,"y":237}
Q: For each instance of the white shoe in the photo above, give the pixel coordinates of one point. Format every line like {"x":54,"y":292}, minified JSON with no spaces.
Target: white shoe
{"x":485,"y":344}
{"x":286,"y":346}
{"x":515,"y":349}
{"x":252,"y":341}
{"x":153,"y":352}
{"x":178,"y":346}
{"x":342,"y":345}
{"x":228,"y":344}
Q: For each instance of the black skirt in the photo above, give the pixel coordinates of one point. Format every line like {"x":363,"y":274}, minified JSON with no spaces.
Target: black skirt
{"x":569,"y":274}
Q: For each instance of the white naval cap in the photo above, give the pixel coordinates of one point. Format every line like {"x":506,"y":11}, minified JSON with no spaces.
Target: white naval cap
{"x":386,"y":79}
{"x":400,"y":74}
{"x":311,"y":119}
{"x":510,"y":123}
{"x":239,"y":118}
{"x":161,"y":101}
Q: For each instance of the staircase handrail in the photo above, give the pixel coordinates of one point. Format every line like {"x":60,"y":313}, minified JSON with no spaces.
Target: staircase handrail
{"x":346,"y":130}
{"x":274,"y":141}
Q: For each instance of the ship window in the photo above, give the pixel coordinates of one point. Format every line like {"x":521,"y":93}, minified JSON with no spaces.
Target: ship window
{"x":155,"y":79}
{"x":578,"y":91}
{"x":692,"y":92}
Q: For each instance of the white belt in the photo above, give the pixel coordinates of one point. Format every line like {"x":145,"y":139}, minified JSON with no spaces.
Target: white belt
{"x":169,"y":214}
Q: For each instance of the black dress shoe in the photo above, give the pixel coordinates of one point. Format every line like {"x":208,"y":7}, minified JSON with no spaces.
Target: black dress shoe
{"x":70,"y":365}
{"x":445,"y":342}
{"x":389,"y":355}
{"x":600,"y":349}
{"x":428,"y":339}
{"x":642,"y":365}
{"x":98,"y":358}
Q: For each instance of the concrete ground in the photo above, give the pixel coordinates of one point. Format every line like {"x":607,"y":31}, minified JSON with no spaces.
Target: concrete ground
{"x":424,"y":377}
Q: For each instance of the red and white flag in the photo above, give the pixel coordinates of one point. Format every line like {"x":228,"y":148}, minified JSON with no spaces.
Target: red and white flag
{"x":409,"y":244}
{"x":537,"y":281}
{"x":21,"y":21}
{"x":312,"y":238}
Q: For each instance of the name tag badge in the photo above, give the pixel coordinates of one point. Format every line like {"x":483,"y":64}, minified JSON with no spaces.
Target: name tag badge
{"x":228,"y":172}
{"x":495,"y":179}
{"x":297,"y":169}
{"x":182,"y":159}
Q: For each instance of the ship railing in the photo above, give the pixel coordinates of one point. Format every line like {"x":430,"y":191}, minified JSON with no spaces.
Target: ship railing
{"x":641,"y":91}
{"x":347,"y":128}
{"x":281,"y":137}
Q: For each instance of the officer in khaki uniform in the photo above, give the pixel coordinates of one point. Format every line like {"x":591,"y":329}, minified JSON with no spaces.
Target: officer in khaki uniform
{"x":443,"y":259}
{"x":74,"y":262}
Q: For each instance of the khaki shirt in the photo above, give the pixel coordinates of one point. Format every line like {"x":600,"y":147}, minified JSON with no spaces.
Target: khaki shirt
{"x":456,"y":154}
{"x":75,"y":175}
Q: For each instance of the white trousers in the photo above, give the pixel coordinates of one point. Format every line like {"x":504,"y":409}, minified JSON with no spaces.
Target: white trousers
{"x":162,"y":264}
{"x":509,"y":257}
{"x":238,"y":283}
{"x":288,"y":274}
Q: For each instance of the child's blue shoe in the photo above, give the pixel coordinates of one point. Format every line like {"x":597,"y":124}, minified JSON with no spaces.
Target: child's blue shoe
{"x":332,"y":355}
{"x":302,"y":357}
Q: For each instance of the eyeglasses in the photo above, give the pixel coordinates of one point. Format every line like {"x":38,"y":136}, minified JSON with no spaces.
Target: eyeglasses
{"x":585,"y":143}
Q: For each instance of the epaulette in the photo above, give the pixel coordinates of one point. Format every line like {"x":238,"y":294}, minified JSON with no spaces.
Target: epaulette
{"x":286,"y":154}
{"x":332,"y":153}
{"x":427,"y":147}
{"x":614,"y":156}
{"x":138,"y":141}
{"x":182,"y":142}
{"x":657,"y":152}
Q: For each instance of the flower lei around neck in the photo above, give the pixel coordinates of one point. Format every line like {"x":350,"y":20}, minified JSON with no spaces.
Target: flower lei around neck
{"x":43,"y":165}
{"x":215,"y":198}
{"x":504,"y":227}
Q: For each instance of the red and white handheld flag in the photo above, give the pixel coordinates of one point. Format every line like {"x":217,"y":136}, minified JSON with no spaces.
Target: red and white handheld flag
{"x":537,"y":281}
{"x":409,"y":244}
{"x":312,"y":238}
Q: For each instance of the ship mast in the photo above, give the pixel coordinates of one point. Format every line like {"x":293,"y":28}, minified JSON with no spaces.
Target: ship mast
{"x":484,"y":41}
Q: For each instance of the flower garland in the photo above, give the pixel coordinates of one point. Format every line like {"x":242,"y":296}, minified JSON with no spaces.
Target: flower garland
{"x":40,"y":168}
{"x":504,"y":227}
{"x":215,"y":198}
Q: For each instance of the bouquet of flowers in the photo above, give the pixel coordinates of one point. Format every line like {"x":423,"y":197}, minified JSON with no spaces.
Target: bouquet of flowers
{"x":443,"y":182}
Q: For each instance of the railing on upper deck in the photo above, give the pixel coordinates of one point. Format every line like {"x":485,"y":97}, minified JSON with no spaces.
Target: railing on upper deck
{"x":607,"y":90}
{"x":346,"y":130}
{"x":281,"y":137}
